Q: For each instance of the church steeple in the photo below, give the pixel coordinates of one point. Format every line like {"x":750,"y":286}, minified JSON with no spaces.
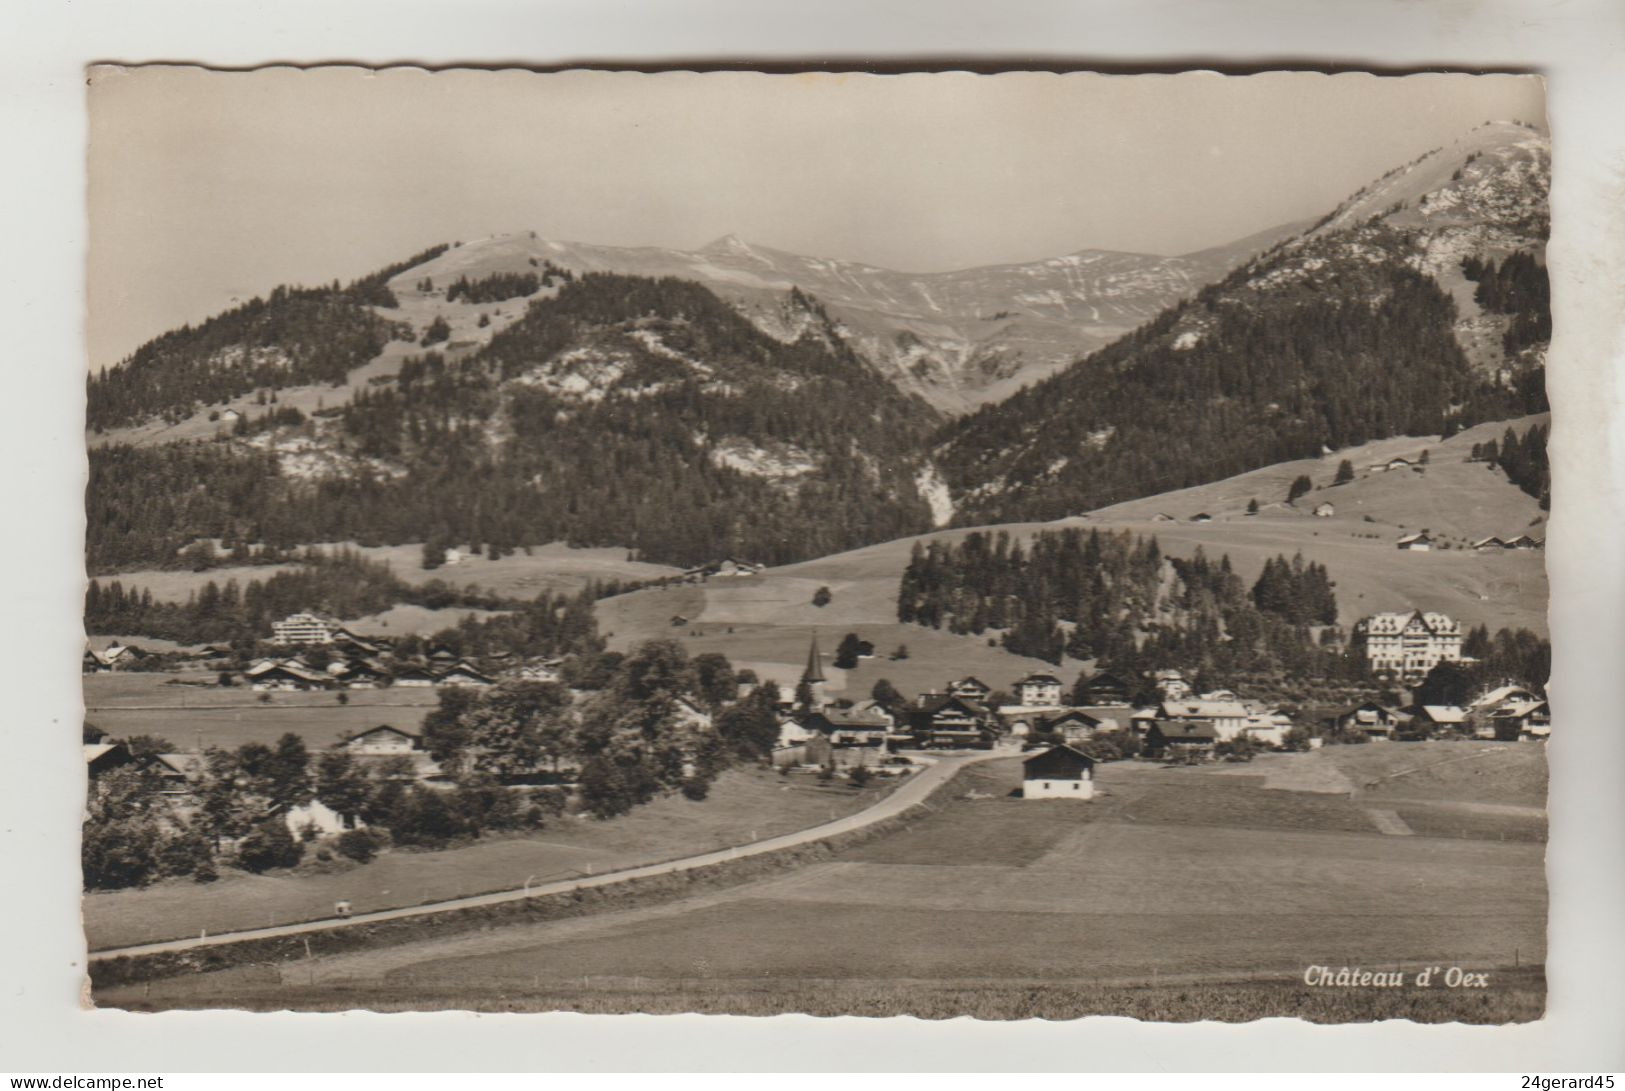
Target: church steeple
{"x":812,"y":679}
{"x":814,"y":674}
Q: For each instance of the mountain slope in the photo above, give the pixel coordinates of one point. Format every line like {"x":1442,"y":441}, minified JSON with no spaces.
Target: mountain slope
{"x":1353,"y":331}
{"x":958,"y":339}
{"x":618,"y":411}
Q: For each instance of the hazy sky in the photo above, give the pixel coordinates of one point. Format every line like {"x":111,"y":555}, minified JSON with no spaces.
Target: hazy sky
{"x":205,"y":187}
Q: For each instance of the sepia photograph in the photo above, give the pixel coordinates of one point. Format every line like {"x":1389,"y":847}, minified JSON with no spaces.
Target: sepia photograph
{"x":1020,"y":545}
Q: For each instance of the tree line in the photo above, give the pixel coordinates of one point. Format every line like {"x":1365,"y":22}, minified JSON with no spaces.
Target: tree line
{"x":1113,"y":597}
{"x":1523,"y":459}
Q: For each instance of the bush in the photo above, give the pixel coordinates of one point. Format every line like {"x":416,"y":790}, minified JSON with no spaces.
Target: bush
{"x":858,"y":777}
{"x":822,"y":597}
{"x":359,"y":845}
{"x":696,"y":788}
{"x":269,"y":845}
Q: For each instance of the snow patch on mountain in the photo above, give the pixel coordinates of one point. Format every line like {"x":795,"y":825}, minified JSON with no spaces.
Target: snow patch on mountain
{"x":781,"y":461}
{"x":934,"y":491}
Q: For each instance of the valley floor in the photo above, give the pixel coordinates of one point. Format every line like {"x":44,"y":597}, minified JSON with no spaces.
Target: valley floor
{"x":1175,"y":894}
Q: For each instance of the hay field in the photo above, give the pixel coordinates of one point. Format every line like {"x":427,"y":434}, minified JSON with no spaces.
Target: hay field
{"x":992,"y":898}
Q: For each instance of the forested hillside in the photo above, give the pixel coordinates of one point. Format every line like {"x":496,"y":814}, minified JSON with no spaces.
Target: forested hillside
{"x":293,"y":336}
{"x":622,"y":411}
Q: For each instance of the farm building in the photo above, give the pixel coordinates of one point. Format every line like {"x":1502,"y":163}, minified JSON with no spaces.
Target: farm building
{"x":725,"y":568}
{"x":1408,"y":644}
{"x":1074,"y":725}
{"x":1324,"y":510}
{"x":1524,"y":541}
{"x":1201,"y":517}
{"x":380,"y":741}
{"x":463,"y":673}
{"x":1437,"y":717}
{"x":1039,"y":691}
{"x":1058,"y":773}
{"x":1415,"y":543}
{"x":1492,"y":542}
{"x":414,"y":675}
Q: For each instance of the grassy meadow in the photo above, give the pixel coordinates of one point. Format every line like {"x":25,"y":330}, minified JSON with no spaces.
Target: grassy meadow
{"x":743,"y":805}
{"x":1175,"y":894}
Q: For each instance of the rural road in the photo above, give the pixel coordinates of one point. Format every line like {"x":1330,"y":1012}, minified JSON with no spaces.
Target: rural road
{"x":910,"y":792}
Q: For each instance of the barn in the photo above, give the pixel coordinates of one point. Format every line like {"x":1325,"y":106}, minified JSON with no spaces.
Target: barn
{"x":1058,"y":773}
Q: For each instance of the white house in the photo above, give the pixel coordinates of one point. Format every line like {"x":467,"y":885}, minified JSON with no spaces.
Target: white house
{"x":381,"y":741}
{"x":1058,"y":773}
{"x":302,"y":629}
{"x":1228,"y":718}
{"x":1039,"y":691}
{"x":1324,"y":510}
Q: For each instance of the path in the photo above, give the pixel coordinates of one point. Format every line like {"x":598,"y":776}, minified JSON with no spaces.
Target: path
{"x":911,"y":792}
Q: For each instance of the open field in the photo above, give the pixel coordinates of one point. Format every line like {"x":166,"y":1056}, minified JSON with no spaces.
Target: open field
{"x":554,"y":567}
{"x":1008,"y":907}
{"x":1466,"y":771}
{"x":744,"y":805}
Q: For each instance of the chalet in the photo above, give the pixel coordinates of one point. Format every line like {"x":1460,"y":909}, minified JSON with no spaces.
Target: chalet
{"x":541,"y":671}
{"x":1524,"y":541}
{"x":1415,"y":543}
{"x":230,"y":415}
{"x":1484,"y":545}
{"x":1201,"y":517}
{"x":1428,"y":719}
{"x":849,"y":729}
{"x":175,"y":772}
{"x":1410,"y":644}
{"x":1105,"y":688}
{"x":414,"y":675}
{"x":1498,"y":697}
{"x":1268,"y":726}
{"x":380,"y":741}
{"x":351,"y":644}
{"x":463,"y":673}
{"x":948,"y":721}
{"x":104,"y":757}
{"x":1058,"y":773}
{"x":284,"y":674}
{"x":1179,"y":736}
{"x":1227,"y":718}
{"x":1398,"y":464}
{"x":442,"y":655}
{"x":1074,"y":725}
{"x":1324,"y":510}
{"x":973,"y":688}
{"x":874,"y":710}
{"x":120,"y":657}
{"x":1163,"y":517}
{"x":1375,"y":721}
{"x":1522,"y":720}
{"x":94,"y":662}
{"x":1039,"y":691}
{"x":302,"y":629}
{"x":364,"y":674}
{"x":678,"y":621}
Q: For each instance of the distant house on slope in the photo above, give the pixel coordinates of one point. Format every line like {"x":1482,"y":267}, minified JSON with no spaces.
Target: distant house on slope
{"x":1163,"y":737}
{"x":1419,"y":542}
{"x":1324,"y":510}
{"x":1201,"y":517}
{"x":1104,"y":688}
{"x":1492,"y":542}
{"x":380,"y":741}
{"x":1058,"y":773}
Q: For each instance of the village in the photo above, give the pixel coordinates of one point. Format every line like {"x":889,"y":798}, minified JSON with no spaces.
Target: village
{"x":1103,"y":716}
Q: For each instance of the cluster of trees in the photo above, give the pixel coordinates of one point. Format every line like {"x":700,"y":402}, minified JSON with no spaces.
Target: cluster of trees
{"x":628,"y":742}
{"x":499,"y":286}
{"x":292,"y":337}
{"x":1295,"y":591}
{"x":1356,"y":351}
{"x":1518,"y":287}
{"x":338,"y":583}
{"x":1518,"y":655}
{"x":1115,"y":598}
{"x":1523,"y":459}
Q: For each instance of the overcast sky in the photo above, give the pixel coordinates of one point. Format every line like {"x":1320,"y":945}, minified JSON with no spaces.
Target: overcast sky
{"x":209,"y":187}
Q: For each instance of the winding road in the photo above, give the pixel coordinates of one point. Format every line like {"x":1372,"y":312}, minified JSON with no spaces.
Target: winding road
{"x":911,"y":792}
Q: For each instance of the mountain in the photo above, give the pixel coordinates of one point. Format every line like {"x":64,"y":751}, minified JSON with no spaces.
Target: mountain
{"x":1366,"y":325}
{"x":612,"y":410}
{"x":958,"y":339}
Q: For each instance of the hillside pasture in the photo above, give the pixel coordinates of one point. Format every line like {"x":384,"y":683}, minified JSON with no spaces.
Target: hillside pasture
{"x":1466,"y":771}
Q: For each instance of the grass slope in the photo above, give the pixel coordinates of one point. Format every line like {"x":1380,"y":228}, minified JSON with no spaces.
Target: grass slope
{"x":766,"y":622}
